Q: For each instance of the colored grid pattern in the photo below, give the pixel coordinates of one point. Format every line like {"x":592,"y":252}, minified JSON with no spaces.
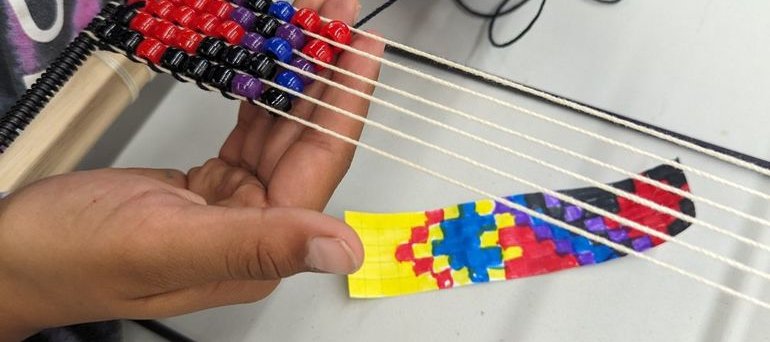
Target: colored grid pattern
{"x":483,"y":241}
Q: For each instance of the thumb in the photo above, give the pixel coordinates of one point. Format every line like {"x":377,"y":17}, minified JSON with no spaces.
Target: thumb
{"x":260,"y":244}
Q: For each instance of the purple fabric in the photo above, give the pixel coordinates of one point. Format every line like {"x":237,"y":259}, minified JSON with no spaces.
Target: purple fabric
{"x":29,"y":42}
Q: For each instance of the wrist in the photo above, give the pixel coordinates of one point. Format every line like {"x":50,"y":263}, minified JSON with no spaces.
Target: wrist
{"x":13,"y":327}
{"x":12,"y":323}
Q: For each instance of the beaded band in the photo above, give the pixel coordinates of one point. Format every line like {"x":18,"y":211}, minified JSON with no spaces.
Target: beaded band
{"x":230,"y":46}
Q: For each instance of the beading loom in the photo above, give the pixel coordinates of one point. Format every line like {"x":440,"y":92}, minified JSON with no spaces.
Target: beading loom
{"x":267,"y":53}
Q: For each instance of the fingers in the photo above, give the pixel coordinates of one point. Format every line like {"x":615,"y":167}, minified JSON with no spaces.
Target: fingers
{"x":245,"y":145}
{"x":201,"y":297}
{"x":313,"y":167}
{"x":210,"y":244}
{"x":285,"y":132}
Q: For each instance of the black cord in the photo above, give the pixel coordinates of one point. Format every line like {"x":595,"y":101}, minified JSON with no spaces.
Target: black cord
{"x":498,"y":13}
{"x":374,"y":13}
{"x":490,"y":15}
{"x":763,"y":163}
{"x":501,"y":11}
{"x":163,"y":331}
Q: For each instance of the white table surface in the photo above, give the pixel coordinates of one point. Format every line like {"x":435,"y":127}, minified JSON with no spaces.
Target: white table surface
{"x":698,"y":67}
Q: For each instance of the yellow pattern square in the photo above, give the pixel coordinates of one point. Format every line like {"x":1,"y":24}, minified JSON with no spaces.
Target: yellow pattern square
{"x":440,"y":263}
{"x":485,"y":207}
{"x":435,"y":233}
{"x":496,"y":273}
{"x":452,"y":212}
{"x":422,"y":250}
{"x":461,"y":277}
{"x":489,"y":238}
{"x":511,"y":253}
{"x":505,"y":220}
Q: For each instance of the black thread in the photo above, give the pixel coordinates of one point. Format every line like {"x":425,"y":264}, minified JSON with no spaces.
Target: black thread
{"x":501,"y":11}
{"x":374,"y":13}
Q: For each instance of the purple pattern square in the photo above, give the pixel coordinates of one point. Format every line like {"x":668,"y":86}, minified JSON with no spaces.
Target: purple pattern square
{"x":595,"y":225}
{"x":642,"y":243}
{"x":586,"y":258}
{"x":522,"y":219}
{"x":543,"y":232}
{"x":617,"y":235}
{"x":501,"y":208}
{"x":563,"y":247}
{"x":572,"y":213}
{"x":551,"y":202}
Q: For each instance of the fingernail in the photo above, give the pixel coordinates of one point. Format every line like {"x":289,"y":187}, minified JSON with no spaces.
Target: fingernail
{"x":358,"y":10}
{"x":330,"y":255}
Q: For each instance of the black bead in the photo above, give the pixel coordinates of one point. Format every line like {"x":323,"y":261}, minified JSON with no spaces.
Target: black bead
{"x":261,"y":66}
{"x":197,"y":68}
{"x":211,"y":48}
{"x":259,"y":6}
{"x":236,"y":56}
{"x":106,"y":31}
{"x":123,"y":15}
{"x":173,"y":59}
{"x":277,"y":99}
{"x":130,"y":40}
{"x":221,"y":77}
{"x":266,"y":25}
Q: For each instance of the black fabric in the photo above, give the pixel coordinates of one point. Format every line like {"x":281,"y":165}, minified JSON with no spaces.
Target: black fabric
{"x":24,"y":55}
{"x":97,"y":332}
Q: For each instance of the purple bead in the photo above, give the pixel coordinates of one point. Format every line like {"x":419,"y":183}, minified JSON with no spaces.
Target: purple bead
{"x":642,"y":243}
{"x":551,"y":202}
{"x":292,"y":34}
{"x":246,"y":86}
{"x":304,"y":65}
{"x":542,"y":232}
{"x":595,"y":225}
{"x":586,"y":258}
{"x":247,"y":19}
{"x":253,"y":41}
{"x":563,"y":247}
{"x":572,"y":213}
{"x":239,"y":2}
{"x":617,"y":235}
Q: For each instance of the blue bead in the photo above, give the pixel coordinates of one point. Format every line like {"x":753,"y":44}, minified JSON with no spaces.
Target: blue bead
{"x":290,"y":80}
{"x":281,"y":10}
{"x":278,"y":48}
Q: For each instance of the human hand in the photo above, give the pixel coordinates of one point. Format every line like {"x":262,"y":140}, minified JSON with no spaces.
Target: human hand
{"x":108,"y":244}
{"x":147,"y":243}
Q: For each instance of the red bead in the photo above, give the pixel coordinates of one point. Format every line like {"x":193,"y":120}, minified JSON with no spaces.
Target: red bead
{"x":220,"y":9}
{"x":197,"y":5}
{"x":231,"y":31}
{"x":142,"y":23}
{"x":165,"y":31}
{"x":151,"y":49}
{"x":182,"y":15}
{"x":160,"y":8}
{"x":188,"y":40}
{"x":307,"y":19}
{"x":207,"y":24}
{"x":176,"y":2}
{"x":338,"y":32}
{"x":318,"y":50}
